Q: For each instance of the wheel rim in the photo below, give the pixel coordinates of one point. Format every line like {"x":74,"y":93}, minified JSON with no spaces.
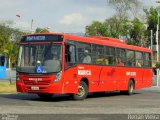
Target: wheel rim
{"x":81,"y":91}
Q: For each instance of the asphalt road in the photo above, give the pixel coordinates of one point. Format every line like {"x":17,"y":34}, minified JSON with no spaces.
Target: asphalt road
{"x":145,"y":101}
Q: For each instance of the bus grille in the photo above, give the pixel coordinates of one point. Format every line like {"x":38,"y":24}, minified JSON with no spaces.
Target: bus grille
{"x":28,"y":82}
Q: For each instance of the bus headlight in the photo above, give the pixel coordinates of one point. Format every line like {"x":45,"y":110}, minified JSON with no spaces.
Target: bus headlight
{"x":58,"y":76}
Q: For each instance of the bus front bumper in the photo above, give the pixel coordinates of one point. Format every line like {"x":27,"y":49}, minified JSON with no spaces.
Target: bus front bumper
{"x":53,"y":88}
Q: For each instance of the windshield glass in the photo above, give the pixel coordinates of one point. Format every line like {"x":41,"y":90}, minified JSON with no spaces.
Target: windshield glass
{"x":40,"y":58}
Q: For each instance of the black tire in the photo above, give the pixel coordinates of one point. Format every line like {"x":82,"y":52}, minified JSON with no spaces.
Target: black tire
{"x":45,"y":96}
{"x":130,"y":88}
{"x":82,"y":91}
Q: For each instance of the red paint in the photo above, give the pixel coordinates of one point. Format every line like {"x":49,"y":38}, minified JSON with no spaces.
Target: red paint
{"x":102,"y":78}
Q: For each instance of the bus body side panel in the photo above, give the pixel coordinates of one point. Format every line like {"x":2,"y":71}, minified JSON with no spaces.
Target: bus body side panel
{"x":108,"y":78}
{"x":121,"y":78}
{"x":94,"y":77}
{"x":124,"y":74}
{"x":70,"y":80}
{"x":138,"y":77}
{"x":147,"y":78}
{"x":136,"y":74}
{"x":73,"y":76}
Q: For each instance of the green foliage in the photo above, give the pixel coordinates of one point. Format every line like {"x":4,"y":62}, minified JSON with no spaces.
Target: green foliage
{"x":131,"y":42}
{"x":9,"y":39}
{"x":152,"y":21}
{"x":133,"y":31}
{"x":113,"y":26}
{"x":41,"y":30}
{"x":137,"y":31}
{"x":96,"y":28}
{"x":157,"y":64}
{"x":121,"y":25}
{"x":152,"y":18}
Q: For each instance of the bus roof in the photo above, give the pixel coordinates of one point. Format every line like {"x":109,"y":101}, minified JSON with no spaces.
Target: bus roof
{"x":113,"y":42}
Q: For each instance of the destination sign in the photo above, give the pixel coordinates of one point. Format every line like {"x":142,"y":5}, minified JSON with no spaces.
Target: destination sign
{"x":42,"y":38}
{"x":35,"y":38}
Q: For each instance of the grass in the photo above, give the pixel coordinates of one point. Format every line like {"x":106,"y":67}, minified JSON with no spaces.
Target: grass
{"x":6,"y":87}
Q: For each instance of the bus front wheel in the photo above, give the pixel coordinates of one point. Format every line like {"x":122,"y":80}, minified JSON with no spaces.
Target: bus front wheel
{"x":82,"y":91}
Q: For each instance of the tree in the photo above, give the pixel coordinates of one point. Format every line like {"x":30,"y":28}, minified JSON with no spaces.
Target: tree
{"x":9,"y":39}
{"x":127,"y":26}
{"x":41,"y":30}
{"x":152,"y":21}
{"x":109,"y":28}
{"x":96,"y":28}
{"x":137,"y":32}
{"x":113,"y":24}
{"x":122,"y":8}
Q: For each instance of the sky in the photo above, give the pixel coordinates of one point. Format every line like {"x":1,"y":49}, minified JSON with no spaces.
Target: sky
{"x":70,"y":16}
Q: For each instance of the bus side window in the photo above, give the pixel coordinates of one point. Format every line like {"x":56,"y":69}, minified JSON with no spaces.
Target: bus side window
{"x":109,"y":56}
{"x":130,"y":58}
{"x":139,"y":59}
{"x":147,"y":60}
{"x":120,"y":56}
{"x":70,"y":56}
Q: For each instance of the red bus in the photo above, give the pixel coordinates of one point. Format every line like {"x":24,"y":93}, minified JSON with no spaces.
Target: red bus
{"x":58,"y":63}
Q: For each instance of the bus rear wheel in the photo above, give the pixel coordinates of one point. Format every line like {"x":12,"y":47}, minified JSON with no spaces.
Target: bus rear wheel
{"x":82,"y":91}
{"x":130,"y":89}
{"x":45,"y":96}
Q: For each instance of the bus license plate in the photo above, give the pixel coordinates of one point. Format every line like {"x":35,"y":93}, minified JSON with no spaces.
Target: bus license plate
{"x":34,"y":88}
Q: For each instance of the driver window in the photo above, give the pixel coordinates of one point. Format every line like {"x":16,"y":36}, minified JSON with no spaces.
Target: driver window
{"x":70,"y":56}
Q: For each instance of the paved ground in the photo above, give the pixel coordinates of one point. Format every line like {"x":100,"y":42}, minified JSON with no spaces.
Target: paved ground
{"x":140,"y":102}
{"x":146,"y":101}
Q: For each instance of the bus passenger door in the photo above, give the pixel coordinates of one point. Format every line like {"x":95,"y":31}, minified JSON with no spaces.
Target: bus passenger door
{"x":70,"y":69}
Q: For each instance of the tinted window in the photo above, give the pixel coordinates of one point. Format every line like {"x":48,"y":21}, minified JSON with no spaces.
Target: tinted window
{"x":70,"y":55}
{"x":147,"y":60}
{"x":109,"y":56}
{"x":139,"y":59}
{"x":120,"y":57}
{"x":97,"y":54}
{"x":130,"y":61}
{"x":84,"y":53}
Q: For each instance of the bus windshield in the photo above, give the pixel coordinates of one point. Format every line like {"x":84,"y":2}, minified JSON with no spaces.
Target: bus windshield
{"x":40,"y":58}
